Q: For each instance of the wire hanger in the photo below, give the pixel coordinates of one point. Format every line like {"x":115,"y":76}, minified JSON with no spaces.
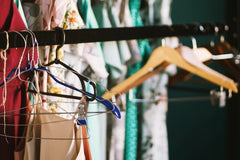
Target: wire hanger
{"x":90,"y":96}
{"x":160,"y":58}
{"x":82,"y":78}
{"x":94,"y":96}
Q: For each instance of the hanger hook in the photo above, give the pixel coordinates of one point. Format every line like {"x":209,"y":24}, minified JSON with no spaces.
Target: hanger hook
{"x":7,"y":41}
{"x":93,"y":97}
{"x":194,"y":42}
{"x":59,"y":37}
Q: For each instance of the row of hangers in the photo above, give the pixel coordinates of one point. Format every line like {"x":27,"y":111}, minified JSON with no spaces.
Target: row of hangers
{"x":35,"y":67}
{"x":189,"y":60}
{"x":221,"y":52}
{"x":160,"y":58}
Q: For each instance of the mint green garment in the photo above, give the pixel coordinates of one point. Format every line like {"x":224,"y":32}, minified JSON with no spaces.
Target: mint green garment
{"x":87,"y":13}
{"x":89,"y":18}
{"x":97,"y":125}
{"x":126,"y":21}
{"x":20,"y":9}
{"x":124,"y":51}
{"x":131,"y":133}
{"x":110,"y":49}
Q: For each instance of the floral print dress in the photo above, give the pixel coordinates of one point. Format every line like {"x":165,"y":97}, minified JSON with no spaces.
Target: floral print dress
{"x":78,"y":56}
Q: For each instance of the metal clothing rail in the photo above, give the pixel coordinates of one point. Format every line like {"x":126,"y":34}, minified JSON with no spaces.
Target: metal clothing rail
{"x":113,"y":34}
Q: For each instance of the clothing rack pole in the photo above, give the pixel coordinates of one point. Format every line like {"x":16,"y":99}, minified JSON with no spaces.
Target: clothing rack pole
{"x":113,"y":34}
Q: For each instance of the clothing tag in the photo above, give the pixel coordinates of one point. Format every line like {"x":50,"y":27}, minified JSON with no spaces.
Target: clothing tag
{"x":222,"y":99}
{"x":218,"y":98}
{"x":81,"y":119}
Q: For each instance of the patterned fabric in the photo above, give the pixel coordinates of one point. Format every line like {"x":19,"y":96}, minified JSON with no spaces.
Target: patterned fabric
{"x":117,"y":138}
{"x":131,"y":134}
{"x":113,"y":13}
{"x":72,"y":20}
{"x":116,"y":146}
{"x":126,"y":21}
{"x":153,"y":144}
{"x":110,"y":49}
{"x":77,"y":56}
{"x":16,"y":96}
{"x":53,"y":12}
{"x":91,"y":22}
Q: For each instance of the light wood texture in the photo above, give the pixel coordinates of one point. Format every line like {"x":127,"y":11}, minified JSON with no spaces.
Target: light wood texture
{"x":202,"y":55}
{"x":160,"y":58}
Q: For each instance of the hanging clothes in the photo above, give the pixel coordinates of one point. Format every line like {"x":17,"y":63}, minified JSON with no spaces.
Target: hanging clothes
{"x":89,"y":18}
{"x":126,"y":21}
{"x":153,"y":140}
{"x":78,"y":56}
{"x":113,"y":14}
{"x":16,"y":96}
{"x":97,"y":124}
{"x":71,"y":20}
{"x":50,"y":136}
{"x":52,"y":12}
{"x":117,"y":140}
{"x":131,"y":134}
{"x":110,"y":49}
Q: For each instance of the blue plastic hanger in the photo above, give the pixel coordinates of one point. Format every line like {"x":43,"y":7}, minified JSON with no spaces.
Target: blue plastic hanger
{"x":13,"y":71}
{"x":105,"y":102}
{"x":82,"y":78}
{"x":101,"y":100}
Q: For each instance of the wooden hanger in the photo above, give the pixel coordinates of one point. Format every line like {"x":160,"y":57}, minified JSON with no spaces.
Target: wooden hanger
{"x":202,"y":54}
{"x":230,"y":65}
{"x":160,"y":58}
{"x":218,"y":52}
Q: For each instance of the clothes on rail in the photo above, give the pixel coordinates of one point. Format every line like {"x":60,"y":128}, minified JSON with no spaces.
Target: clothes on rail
{"x":113,"y":60}
{"x":70,"y":53}
{"x":144,"y":136}
{"x":125,"y":21}
{"x":85,"y":58}
{"x":16,"y":96}
{"x":131,"y":111}
{"x":153,"y":143}
{"x":71,"y":20}
{"x":50,"y":136}
{"x":97,"y":123}
{"x":107,"y":63}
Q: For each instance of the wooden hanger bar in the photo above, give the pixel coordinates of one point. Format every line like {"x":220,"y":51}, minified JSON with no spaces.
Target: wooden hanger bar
{"x":52,"y":37}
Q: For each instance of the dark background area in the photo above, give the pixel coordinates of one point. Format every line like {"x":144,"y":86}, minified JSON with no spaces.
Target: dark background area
{"x":196,"y":129}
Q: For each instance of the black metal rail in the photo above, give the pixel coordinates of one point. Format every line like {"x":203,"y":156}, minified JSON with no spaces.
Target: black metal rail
{"x":109,"y":34}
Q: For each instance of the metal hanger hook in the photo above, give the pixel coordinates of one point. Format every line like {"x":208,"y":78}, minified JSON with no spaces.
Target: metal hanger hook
{"x":93,"y":97}
{"x":60,"y":36}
